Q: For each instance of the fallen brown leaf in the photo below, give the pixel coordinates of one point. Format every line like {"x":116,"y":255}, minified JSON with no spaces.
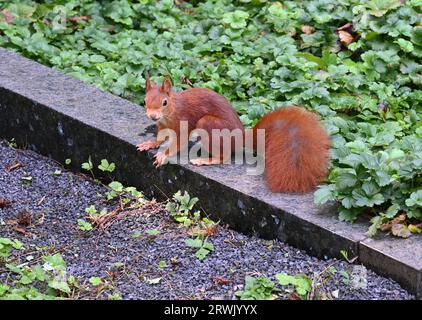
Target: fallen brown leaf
{"x":79,"y":18}
{"x":294,"y":296}
{"x":308,"y":29}
{"x":221,"y":280}
{"x":4,"y":203}
{"x":24,"y":218}
{"x":187,"y":81}
{"x":14,"y":165}
{"x":400,"y":230}
{"x":399,"y":219}
{"x":20,"y":230}
{"x":345,"y":37}
{"x":41,"y":219}
{"x":206,"y":232}
{"x":344,"y":27}
{"x":11,"y":222}
{"x":415,"y":228}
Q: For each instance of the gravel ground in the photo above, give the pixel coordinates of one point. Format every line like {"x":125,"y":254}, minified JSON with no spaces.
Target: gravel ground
{"x":128,"y":262}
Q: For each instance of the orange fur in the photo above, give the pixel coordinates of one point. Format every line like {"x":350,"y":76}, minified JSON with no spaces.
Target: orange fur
{"x":296,"y":150}
{"x":200,"y":107}
{"x":296,"y":144}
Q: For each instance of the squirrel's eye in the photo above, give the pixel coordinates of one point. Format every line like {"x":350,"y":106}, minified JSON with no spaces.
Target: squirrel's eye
{"x":165,"y":103}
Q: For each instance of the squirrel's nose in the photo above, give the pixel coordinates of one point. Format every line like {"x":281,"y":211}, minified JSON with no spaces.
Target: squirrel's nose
{"x":154,"y":117}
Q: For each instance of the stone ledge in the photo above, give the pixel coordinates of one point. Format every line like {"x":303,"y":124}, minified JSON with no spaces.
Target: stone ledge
{"x":62,"y":118}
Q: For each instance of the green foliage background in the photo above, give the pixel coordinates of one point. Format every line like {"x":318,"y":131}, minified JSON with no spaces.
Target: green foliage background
{"x":254,"y":53}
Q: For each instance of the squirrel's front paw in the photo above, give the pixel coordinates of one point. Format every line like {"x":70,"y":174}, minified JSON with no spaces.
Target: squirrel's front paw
{"x":147,"y":145}
{"x":160,"y":159}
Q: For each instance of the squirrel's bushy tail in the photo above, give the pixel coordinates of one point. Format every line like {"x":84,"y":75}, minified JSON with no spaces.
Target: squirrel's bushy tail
{"x":296,"y":150}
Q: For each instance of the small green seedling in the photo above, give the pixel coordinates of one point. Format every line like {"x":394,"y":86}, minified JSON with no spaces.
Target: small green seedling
{"x":204,"y":247}
{"x":260,"y":288}
{"x":84,"y":225}
{"x":95,"y":281}
{"x":105,"y":166}
{"x":302,"y":283}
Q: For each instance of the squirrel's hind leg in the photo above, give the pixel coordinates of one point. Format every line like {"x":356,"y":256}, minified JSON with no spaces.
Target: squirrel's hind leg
{"x":208,"y":123}
{"x":207,"y":161}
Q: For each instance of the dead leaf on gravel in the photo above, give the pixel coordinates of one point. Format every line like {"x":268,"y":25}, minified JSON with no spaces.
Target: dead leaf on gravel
{"x":41,"y":219}
{"x":20,"y":230}
{"x":308,"y":29}
{"x":209,"y":231}
{"x":400,"y":230}
{"x":221,"y":280}
{"x":14,"y":165}
{"x":4,"y":203}
{"x":24,"y":218}
{"x":293,"y":296}
{"x":11,"y":222}
{"x":174,"y":261}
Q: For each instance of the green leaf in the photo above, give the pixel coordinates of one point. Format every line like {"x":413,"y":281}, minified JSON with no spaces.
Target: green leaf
{"x":95,"y":281}
{"x":406,"y":46}
{"x":415,"y":199}
{"x":324,"y":194}
{"x":153,"y":232}
{"x":84,"y":225}
{"x":88,"y":166}
{"x":56,"y":261}
{"x":116,"y":186}
{"x":194,"y":243}
{"x":376,"y":223}
{"x":59,"y":285}
{"x":202,"y":253}
{"x":417,"y":36}
{"x":105,"y":166}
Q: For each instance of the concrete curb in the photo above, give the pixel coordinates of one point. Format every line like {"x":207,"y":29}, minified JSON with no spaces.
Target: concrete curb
{"x":62,"y":118}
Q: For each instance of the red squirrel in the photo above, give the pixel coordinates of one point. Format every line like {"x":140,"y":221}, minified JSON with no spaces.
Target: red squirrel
{"x":296,"y":144}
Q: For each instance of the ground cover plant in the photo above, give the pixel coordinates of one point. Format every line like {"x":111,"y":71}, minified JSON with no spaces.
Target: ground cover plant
{"x":135,"y":248}
{"x":356,"y":63}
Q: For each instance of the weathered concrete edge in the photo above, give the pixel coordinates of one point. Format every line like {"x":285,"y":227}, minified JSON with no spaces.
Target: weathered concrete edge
{"x":386,"y":265}
{"x":32,"y":122}
{"x":40,"y":128}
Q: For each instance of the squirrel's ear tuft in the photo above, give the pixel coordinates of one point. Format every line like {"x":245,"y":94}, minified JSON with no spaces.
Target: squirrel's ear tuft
{"x":166,"y":86}
{"x":148,"y":84}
